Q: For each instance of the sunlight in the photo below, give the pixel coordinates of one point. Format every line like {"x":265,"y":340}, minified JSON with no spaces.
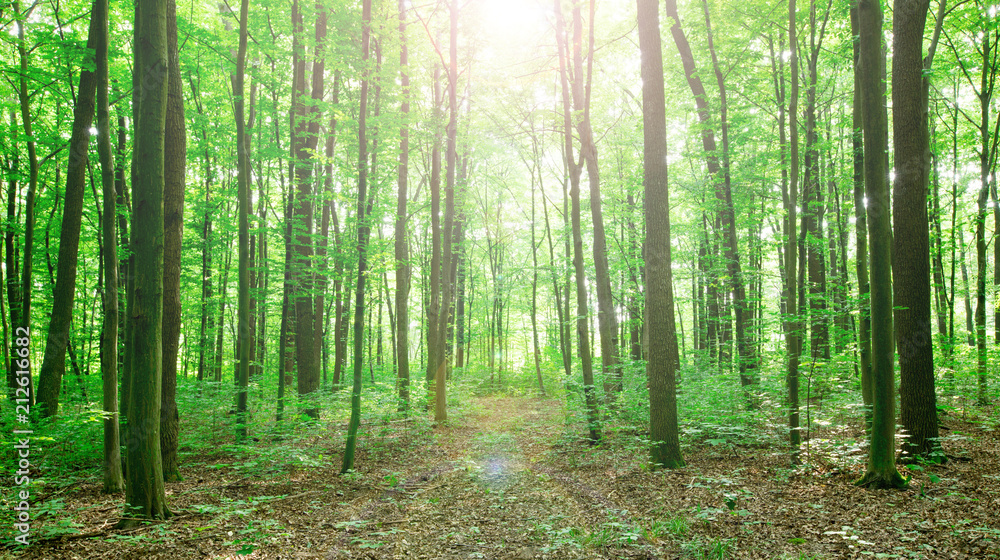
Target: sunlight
{"x":507,"y":19}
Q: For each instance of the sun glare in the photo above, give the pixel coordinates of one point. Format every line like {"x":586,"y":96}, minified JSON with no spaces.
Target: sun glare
{"x":513,"y":20}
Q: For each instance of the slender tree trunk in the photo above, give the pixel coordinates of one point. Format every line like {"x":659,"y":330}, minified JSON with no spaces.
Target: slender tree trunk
{"x":536,"y":352}
{"x":144,"y":489}
{"x":243,"y":333}
{"x":911,"y":287}
{"x":11,"y":265}
{"x":881,"y":471}
{"x":54,"y":361}
{"x":793,"y":327}
{"x":23,"y":319}
{"x":113,"y":481}
{"x":286,"y":314}
{"x":175,"y":162}
{"x":434,"y":288}
{"x":582,"y":307}
{"x":322,"y":278}
{"x":364,"y":203}
{"x":447,"y":241}
{"x":747,"y":359}
{"x":607,"y":322}
{"x":403,"y":271}
{"x":663,"y":359}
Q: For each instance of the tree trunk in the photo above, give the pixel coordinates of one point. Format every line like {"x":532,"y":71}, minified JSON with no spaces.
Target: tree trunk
{"x":363,"y":229}
{"x":243,"y":333}
{"x":861,"y":227}
{"x":144,"y":489}
{"x":175,"y":161}
{"x":54,"y":361}
{"x":582,"y":307}
{"x":607,"y":321}
{"x":663,"y":359}
{"x":305,"y":128}
{"x":403,"y":271}
{"x":911,"y":287}
{"x":113,"y":481}
{"x":23,"y":319}
{"x":793,"y":327}
{"x":881,"y":470}
{"x":434,"y":287}
{"x":724,"y":195}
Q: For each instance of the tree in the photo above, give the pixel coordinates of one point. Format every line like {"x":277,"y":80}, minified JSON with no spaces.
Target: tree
{"x":401,"y":249}
{"x":305,"y":128}
{"x":21,"y":318}
{"x":144,"y":491}
{"x":447,"y":270}
{"x":663,"y":359}
{"x":243,"y":198}
{"x":54,"y":362}
{"x":911,"y":287}
{"x":793,"y":333}
{"x":113,"y":481}
{"x":574,"y":169}
{"x":364,"y":208}
{"x":607,"y":321}
{"x":984,"y":36}
{"x":175,"y":161}
{"x":881,"y":471}
{"x":861,"y":228}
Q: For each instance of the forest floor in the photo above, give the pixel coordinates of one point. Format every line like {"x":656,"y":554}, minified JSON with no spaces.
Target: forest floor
{"x":510,"y":478}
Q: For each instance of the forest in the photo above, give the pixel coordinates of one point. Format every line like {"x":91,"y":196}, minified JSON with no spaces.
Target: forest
{"x":503,"y":279}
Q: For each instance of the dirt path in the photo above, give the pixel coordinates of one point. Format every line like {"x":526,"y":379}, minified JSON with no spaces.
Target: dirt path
{"x":494,"y":497}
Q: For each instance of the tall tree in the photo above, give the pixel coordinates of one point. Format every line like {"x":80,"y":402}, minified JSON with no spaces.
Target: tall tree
{"x":607,"y":318}
{"x":54,"y":362}
{"x":243,"y":201}
{"x":663,"y":356}
{"x":144,"y":490}
{"x":401,"y":249}
{"x":364,"y":206}
{"x":911,"y":239}
{"x":793,"y":334}
{"x":303,"y":144}
{"x":861,"y":226}
{"x":575,"y":169}
{"x":22,"y":318}
{"x":447,"y":239}
{"x":113,"y":481}
{"x":881,"y":471}
{"x":175,"y":161}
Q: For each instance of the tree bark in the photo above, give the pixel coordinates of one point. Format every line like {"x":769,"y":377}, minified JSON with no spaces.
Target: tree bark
{"x":663,"y":359}
{"x":363,"y":230}
{"x":175,"y":162}
{"x":403,"y":271}
{"x":582,"y":307}
{"x":144,"y":489}
{"x":303,"y":143}
{"x":911,"y":287}
{"x":881,"y":471}
{"x":243,"y":333}
{"x":113,"y":481}
{"x":54,"y":361}
{"x":793,"y":326}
